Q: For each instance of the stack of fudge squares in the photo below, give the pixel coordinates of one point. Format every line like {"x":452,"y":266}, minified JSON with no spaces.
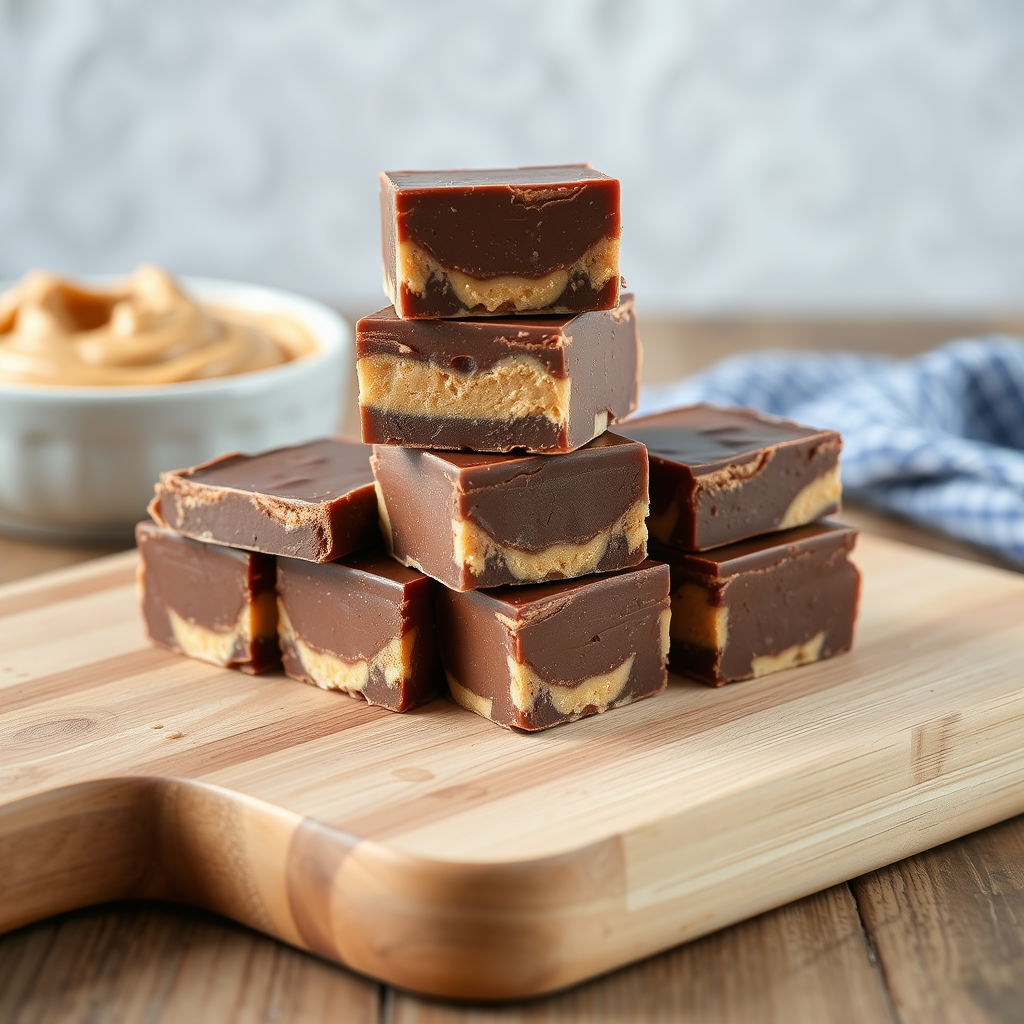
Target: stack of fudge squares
{"x":759,"y":582}
{"x":254,"y":561}
{"x":488,"y":538}
{"x":486,"y":389}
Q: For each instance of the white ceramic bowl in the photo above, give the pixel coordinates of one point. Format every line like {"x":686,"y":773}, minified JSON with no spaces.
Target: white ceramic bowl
{"x":80,"y":462}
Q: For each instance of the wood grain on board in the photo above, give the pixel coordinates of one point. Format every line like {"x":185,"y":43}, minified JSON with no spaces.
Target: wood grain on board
{"x":437,"y":852}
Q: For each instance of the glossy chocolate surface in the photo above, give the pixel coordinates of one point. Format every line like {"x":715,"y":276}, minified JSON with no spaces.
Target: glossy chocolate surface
{"x":206,"y":585}
{"x":598,"y":353}
{"x":719,"y":475}
{"x":566,"y":633}
{"x":314,"y":501}
{"x":779,"y":592}
{"x":352,"y":609}
{"x":528,"y":503}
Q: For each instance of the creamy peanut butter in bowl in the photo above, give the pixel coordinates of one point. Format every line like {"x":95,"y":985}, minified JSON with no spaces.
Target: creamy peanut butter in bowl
{"x":145,"y":329}
{"x":106,"y":383}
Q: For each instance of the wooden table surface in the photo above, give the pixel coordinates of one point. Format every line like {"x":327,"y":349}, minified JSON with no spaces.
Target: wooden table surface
{"x":935,"y":938}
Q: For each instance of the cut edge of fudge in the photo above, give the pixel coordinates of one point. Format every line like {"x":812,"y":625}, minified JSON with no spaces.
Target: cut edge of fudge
{"x":809,"y":564}
{"x":249,"y":642}
{"x":402,"y":673}
{"x":524,"y":696}
{"x":542,"y":384}
{"x":423,"y":280}
{"x":703,"y":499}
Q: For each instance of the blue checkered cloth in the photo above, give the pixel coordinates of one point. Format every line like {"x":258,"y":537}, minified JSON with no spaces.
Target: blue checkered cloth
{"x":938,"y":438}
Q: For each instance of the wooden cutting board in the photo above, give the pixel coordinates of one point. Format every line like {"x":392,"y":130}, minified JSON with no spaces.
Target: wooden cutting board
{"x":440,"y":853}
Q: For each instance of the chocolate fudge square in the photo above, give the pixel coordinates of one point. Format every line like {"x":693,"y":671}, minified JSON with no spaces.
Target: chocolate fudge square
{"x":749,"y":609}
{"x":719,"y":475}
{"x":491,"y":242}
{"x":363,"y":625}
{"x":207,"y":601}
{"x":474,"y":520}
{"x":542,"y":384}
{"x":314,"y":501}
{"x":533,"y":657}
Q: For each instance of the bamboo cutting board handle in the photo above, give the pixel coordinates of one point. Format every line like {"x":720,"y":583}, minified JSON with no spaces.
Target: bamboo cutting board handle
{"x":489,"y":931}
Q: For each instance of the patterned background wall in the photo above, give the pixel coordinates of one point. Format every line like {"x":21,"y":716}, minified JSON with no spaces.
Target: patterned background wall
{"x":786,"y":154}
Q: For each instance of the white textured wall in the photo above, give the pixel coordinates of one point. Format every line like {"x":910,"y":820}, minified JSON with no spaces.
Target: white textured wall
{"x":797,"y":154}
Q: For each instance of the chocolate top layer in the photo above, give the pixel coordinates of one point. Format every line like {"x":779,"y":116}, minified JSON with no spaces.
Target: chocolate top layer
{"x":708,"y":437}
{"x":315,"y":472}
{"x":525,"y":222}
{"x":380,"y":565}
{"x":759,"y":552}
{"x":540,"y":599}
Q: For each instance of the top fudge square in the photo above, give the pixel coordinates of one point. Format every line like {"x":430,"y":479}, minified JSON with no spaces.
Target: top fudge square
{"x":494,"y":242}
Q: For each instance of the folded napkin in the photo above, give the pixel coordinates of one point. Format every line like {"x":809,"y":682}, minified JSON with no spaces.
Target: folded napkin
{"x":938,"y":438}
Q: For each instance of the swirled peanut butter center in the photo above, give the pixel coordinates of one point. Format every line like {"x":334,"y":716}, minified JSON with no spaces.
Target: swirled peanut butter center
{"x":142,"y":330}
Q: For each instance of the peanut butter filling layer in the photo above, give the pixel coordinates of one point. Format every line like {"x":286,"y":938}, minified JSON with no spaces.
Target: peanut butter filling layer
{"x":468,"y":699}
{"x":415,"y":267}
{"x":256,"y":621}
{"x":798,"y":654}
{"x":329,"y":672}
{"x":515,"y":388}
{"x":695,"y":620}
{"x":143,"y":330}
{"x":570,"y":699}
{"x":728,"y":478}
{"x":818,"y":496}
{"x":474,"y":548}
{"x":665,"y":629}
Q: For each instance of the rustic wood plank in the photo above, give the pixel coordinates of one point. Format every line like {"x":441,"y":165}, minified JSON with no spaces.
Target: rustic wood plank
{"x":948,"y":928}
{"x":169,"y":965}
{"x":806,"y":963}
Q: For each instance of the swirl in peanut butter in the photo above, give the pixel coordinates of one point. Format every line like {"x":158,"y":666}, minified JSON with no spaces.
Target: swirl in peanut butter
{"x":142,"y":330}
